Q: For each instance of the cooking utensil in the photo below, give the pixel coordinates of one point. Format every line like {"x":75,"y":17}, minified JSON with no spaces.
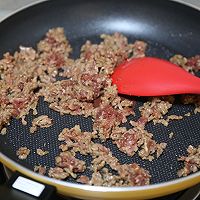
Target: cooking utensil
{"x":168,"y":27}
{"x":150,"y":76}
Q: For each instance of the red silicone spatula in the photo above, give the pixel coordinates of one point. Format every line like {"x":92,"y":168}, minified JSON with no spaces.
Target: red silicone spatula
{"x":150,"y":76}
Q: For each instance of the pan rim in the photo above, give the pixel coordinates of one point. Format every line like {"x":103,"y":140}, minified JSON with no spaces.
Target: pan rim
{"x":41,"y":1}
{"x":3,"y":157}
{"x":98,"y":188}
{"x":185,"y":3}
{"x":21,"y":9}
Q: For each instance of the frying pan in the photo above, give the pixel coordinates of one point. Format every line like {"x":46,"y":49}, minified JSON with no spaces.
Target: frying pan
{"x":167,"y":26}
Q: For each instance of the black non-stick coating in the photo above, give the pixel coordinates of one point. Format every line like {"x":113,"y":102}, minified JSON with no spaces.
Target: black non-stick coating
{"x":167,"y":26}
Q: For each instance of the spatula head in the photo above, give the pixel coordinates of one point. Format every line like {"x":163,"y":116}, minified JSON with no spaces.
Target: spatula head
{"x":150,"y":76}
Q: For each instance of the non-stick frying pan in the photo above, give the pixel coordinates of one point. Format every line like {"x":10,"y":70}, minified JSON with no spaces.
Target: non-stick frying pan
{"x":168,"y":27}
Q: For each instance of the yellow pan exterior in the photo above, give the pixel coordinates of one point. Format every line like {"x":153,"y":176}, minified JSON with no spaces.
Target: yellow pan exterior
{"x":106,"y":193}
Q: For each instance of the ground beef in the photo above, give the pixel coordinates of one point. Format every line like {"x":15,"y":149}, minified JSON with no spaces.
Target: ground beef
{"x":41,"y":152}
{"x":191,"y":161}
{"x":83,"y":86}
{"x":181,"y":61}
{"x":69,"y":163}
{"x":191,"y":65}
{"x":127,"y":174}
{"x":192,"y":99}
{"x":171,"y":135}
{"x":62,"y":98}
{"x":79,"y":141}
{"x":139,"y":48}
{"x":194,"y":63}
{"x":3,"y":131}
{"x":42,"y":121}
{"x":54,"y":52}
{"x":57,"y":173}
{"x":83,"y":179}
{"x":126,"y":140}
{"x":76,"y":139}
{"x":40,"y":169}
{"x":169,"y":118}
{"x":22,"y":153}
{"x":137,"y":140}
{"x":105,"y":119}
{"x":155,"y":109}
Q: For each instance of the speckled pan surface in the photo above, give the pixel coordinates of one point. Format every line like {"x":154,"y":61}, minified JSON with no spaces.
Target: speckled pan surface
{"x":168,"y":27}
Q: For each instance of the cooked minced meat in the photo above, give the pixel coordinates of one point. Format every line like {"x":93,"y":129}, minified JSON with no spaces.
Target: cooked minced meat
{"x":18,"y":80}
{"x":79,"y":141}
{"x":76,"y":139}
{"x":169,"y":118}
{"x":191,"y":161}
{"x":57,"y":173}
{"x":189,"y":64}
{"x":188,"y":114}
{"x":171,"y":135}
{"x":182,"y":62}
{"x":27,"y":71}
{"x":40,"y":169}
{"x":23,"y":153}
{"x":3,"y":131}
{"x":137,"y":140}
{"x":69,"y":163}
{"x":129,"y":175}
{"x":85,"y":88}
{"x":41,"y":152}
{"x":192,"y":99}
{"x":42,"y":121}
{"x":154,"y":109}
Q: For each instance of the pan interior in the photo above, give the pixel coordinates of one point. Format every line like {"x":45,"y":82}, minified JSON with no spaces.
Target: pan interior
{"x":159,"y":24}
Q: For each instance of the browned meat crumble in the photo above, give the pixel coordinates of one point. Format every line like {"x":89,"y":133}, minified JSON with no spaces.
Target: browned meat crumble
{"x":171,"y":135}
{"x":192,"y":99}
{"x":3,"y":131}
{"x":191,"y":161}
{"x":41,"y":152}
{"x":57,"y":173}
{"x":79,"y":141}
{"x":23,"y":152}
{"x":137,"y":140}
{"x":189,"y":64}
{"x":40,"y":169}
{"x":87,"y":90}
{"x":42,"y":121}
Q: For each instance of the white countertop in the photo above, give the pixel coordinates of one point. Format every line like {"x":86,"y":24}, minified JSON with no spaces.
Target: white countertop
{"x":8,"y":6}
